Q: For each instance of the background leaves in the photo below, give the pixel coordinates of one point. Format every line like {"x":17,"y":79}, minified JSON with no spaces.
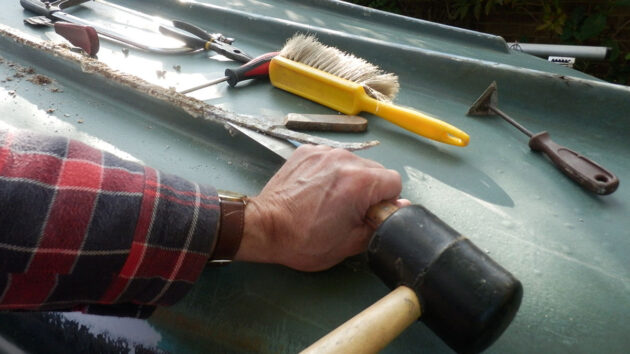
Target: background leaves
{"x":598,"y":23}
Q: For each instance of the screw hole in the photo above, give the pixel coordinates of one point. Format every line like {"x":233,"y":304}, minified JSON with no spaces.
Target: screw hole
{"x":601,"y":178}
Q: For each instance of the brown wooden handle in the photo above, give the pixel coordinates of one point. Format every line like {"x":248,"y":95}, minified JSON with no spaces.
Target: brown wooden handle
{"x":582,"y":170}
{"x":378,"y":213}
{"x":325,"y":122}
{"x":372,"y":329}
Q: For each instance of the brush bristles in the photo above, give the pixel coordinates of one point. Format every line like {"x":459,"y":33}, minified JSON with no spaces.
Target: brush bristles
{"x":307,"y":50}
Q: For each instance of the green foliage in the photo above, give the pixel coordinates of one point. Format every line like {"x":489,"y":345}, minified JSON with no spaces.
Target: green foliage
{"x":554,"y":18}
{"x":583,"y":26}
{"x":590,"y":25}
{"x":461,"y":9}
{"x":562,"y":21}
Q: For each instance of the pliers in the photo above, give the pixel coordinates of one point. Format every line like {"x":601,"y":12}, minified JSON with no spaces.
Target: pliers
{"x":194,"y":37}
{"x":197,"y":39}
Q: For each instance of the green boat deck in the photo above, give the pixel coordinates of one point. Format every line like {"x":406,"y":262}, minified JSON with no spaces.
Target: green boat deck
{"x":568,"y":247}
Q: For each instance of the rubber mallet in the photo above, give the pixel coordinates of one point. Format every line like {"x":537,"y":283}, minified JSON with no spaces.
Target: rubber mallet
{"x":439,"y":276}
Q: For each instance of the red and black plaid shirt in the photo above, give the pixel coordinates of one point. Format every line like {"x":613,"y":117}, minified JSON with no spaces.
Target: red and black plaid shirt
{"x":81,"y":229}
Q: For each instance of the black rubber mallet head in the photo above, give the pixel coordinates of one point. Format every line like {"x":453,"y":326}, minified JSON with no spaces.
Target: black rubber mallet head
{"x":466,"y":298}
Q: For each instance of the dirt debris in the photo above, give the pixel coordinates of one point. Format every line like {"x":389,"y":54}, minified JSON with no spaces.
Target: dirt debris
{"x":40,"y":79}
{"x":29,"y":73}
{"x":25,"y":70}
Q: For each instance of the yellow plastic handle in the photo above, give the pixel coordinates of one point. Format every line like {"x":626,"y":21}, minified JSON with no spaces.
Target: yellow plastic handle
{"x":416,"y":122}
{"x":350,"y":98}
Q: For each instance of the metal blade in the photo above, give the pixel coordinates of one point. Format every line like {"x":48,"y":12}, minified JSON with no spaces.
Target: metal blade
{"x":489,"y":98}
{"x":280,"y":147}
{"x":38,"y":21}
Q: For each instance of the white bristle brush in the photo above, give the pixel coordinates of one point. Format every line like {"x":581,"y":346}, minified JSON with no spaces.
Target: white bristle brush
{"x":350,"y":85}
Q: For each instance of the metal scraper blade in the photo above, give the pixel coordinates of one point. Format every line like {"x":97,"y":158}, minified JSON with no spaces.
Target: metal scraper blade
{"x":489,"y":98}
{"x":38,"y":21}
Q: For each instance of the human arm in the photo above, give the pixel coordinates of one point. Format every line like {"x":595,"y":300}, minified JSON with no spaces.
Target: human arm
{"x":81,"y":228}
{"x":142,"y":237}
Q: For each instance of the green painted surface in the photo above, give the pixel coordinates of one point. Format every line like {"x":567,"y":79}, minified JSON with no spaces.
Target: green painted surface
{"x":568,"y":247}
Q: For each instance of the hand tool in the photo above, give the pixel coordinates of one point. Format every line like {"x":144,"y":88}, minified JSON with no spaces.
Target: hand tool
{"x":350,"y":85}
{"x":192,"y":35}
{"x":201,"y":33}
{"x":177,"y":24}
{"x":319,"y":122}
{"x":195,"y":37}
{"x":580,"y":169}
{"x":84,"y":37}
{"x":438,"y":275}
{"x":53,"y":11}
{"x":325,"y":122}
{"x":254,"y":69}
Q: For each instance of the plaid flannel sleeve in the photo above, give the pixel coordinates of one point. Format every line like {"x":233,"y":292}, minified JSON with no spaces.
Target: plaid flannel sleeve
{"x":81,"y":229}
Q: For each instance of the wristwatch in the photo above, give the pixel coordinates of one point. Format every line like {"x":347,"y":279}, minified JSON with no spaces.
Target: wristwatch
{"x":231,"y":223}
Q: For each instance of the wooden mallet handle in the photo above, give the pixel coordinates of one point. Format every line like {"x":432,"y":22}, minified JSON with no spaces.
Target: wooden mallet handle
{"x":373,"y":328}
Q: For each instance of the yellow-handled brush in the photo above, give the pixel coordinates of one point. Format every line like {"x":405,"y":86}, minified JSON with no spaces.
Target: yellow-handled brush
{"x":351,"y":85}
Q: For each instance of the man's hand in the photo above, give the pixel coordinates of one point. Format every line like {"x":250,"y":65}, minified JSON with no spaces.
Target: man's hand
{"x":310,"y":215}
